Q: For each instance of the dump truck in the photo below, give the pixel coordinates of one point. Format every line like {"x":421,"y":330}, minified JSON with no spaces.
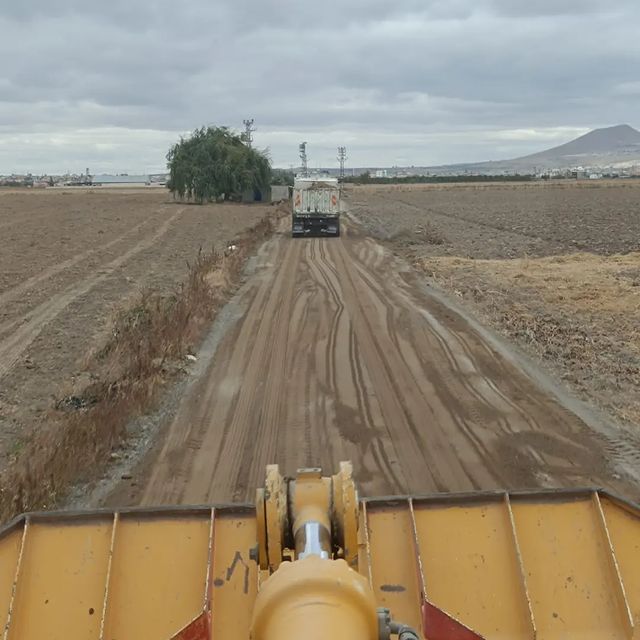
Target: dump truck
{"x":316,"y":206}
{"x":310,"y":559}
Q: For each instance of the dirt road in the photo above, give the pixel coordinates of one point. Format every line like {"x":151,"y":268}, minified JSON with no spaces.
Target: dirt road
{"x":342,"y":355}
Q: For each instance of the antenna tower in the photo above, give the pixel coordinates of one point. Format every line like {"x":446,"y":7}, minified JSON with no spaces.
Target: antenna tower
{"x":248,"y":131}
{"x":303,"y":158}
{"x":342,"y":157}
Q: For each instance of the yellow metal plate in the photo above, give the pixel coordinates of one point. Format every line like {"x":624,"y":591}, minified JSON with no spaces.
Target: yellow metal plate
{"x":568,"y":570}
{"x":9,"y":551}
{"x":235,"y":576}
{"x":624,"y":528}
{"x":158,"y":576}
{"x":545,"y":566}
{"x":393,"y":562}
{"x":472,"y":569}
{"x":61,"y":582}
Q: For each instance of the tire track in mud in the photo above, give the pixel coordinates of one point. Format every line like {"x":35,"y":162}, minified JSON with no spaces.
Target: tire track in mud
{"x":297,"y":435}
{"x":361,"y":430}
{"x":321,"y":376}
{"x":12,"y":347}
{"x":339,"y":356}
{"x":272,"y":353}
{"x":178,"y":462}
{"x":220,"y":418}
{"x":460,"y":358}
{"x":479,"y":412}
{"x":397,"y":392}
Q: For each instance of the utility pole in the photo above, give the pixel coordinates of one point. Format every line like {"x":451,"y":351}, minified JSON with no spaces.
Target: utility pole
{"x":342,"y":157}
{"x":248,"y":131}
{"x":303,"y":158}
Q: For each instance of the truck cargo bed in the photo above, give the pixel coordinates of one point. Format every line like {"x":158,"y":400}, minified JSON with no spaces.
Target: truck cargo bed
{"x":316,"y":209}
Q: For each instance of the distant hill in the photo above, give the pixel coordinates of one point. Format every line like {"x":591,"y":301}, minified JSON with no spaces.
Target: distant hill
{"x":612,"y":145}
{"x":617,"y":146}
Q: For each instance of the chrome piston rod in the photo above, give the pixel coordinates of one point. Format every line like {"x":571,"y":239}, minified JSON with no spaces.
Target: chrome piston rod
{"x":313,"y":539}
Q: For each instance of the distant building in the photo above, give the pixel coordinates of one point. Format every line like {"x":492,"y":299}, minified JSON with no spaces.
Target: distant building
{"x":121,"y":181}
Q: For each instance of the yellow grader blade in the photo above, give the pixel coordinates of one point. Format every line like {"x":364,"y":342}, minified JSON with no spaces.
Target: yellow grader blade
{"x":311,"y":561}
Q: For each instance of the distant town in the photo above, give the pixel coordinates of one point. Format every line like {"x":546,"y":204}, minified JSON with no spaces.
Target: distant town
{"x":86,"y":179}
{"x":578,"y":172}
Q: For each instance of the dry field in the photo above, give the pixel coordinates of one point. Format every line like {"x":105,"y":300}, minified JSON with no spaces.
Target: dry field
{"x":68,"y":261}
{"x":555,"y":267}
{"x":331,"y":348}
{"x":504,"y":220}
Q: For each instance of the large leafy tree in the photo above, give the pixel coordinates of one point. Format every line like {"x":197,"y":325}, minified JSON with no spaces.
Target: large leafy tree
{"x":215,"y":162}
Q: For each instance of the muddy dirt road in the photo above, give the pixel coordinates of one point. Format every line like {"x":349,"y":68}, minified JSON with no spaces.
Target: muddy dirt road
{"x":342,"y":354}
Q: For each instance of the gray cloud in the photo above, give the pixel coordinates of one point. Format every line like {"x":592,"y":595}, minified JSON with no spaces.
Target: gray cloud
{"x":413,"y":81}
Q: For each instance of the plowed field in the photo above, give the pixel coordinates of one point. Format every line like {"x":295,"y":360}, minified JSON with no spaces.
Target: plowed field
{"x":67,"y":260}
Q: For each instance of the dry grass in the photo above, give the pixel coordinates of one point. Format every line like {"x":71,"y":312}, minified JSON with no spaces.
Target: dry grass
{"x":148,"y":342}
{"x":581,"y":312}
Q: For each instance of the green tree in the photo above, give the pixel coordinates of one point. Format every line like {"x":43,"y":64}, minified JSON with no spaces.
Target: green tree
{"x":214,"y":162}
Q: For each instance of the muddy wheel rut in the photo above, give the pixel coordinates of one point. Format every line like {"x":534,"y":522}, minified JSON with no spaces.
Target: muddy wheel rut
{"x":341,"y":354}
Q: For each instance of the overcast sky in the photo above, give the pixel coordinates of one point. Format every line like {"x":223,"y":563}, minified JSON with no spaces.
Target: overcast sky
{"x":110,"y":85}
